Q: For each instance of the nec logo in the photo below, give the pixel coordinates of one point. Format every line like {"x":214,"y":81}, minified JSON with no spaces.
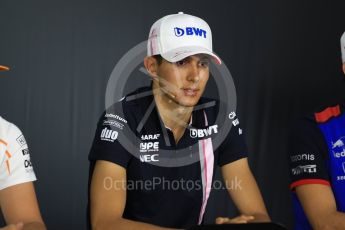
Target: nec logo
{"x":189,"y":31}
{"x":109,"y":135}
{"x":149,"y":158}
{"x":149,"y":146}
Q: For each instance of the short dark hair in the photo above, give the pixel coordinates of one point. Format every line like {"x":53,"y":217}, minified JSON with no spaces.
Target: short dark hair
{"x":158,"y":58}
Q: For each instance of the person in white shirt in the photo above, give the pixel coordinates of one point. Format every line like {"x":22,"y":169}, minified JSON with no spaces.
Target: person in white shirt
{"x":18,"y":201}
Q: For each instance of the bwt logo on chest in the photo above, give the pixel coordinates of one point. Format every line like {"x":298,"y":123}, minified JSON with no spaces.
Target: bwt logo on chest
{"x":203,"y":132}
{"x":189,"y":31}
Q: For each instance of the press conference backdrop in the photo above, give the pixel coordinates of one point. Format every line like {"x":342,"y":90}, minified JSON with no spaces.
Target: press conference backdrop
{"x":284,"y":57}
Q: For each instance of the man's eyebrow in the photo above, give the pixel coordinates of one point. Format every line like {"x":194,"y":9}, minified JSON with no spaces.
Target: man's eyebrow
{"x":184,"y":59}
{"x":205,"y":58}
{"x":201,"y":58}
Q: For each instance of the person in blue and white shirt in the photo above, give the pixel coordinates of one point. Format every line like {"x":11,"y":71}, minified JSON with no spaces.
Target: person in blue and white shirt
{"x":317,"y":167}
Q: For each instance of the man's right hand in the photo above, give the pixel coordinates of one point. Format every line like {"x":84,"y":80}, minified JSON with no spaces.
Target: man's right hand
{"x":18,"y":226}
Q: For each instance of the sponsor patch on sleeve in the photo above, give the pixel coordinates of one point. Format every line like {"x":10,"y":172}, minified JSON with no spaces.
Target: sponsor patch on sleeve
{"x":21,"y":140}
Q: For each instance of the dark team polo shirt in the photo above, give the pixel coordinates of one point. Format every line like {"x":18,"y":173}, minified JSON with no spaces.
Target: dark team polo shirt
{"x":308,"y":153}
{"x":168,"y":183}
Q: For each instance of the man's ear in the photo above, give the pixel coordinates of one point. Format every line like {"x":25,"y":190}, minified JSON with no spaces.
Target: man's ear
{"x":344,"y":67}
{"x":151,"y":66}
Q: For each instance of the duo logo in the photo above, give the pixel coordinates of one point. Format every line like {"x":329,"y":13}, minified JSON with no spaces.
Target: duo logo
{"x":189,"y":31}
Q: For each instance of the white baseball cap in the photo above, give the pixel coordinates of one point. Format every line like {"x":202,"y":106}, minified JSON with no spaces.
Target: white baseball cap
{"x":178,"y":36}
{"x":342,"y":43}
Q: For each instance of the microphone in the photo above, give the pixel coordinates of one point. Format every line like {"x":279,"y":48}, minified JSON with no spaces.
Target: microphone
{"x":164,"y":89}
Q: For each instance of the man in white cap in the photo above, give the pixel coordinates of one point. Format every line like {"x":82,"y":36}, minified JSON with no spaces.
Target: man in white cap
{"x":17,"y":194}
{"x":168,"y":122}
{"x":317,"y":167}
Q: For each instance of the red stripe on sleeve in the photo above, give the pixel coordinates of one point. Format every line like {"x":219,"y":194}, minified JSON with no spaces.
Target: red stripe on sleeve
{"x":309,"y":181}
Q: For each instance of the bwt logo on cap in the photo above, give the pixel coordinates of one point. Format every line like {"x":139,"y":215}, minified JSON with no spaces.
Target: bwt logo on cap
{"x":189,"y":31}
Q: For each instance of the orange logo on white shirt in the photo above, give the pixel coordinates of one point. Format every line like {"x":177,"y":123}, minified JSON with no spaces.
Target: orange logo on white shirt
{"x":8,"y":155}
